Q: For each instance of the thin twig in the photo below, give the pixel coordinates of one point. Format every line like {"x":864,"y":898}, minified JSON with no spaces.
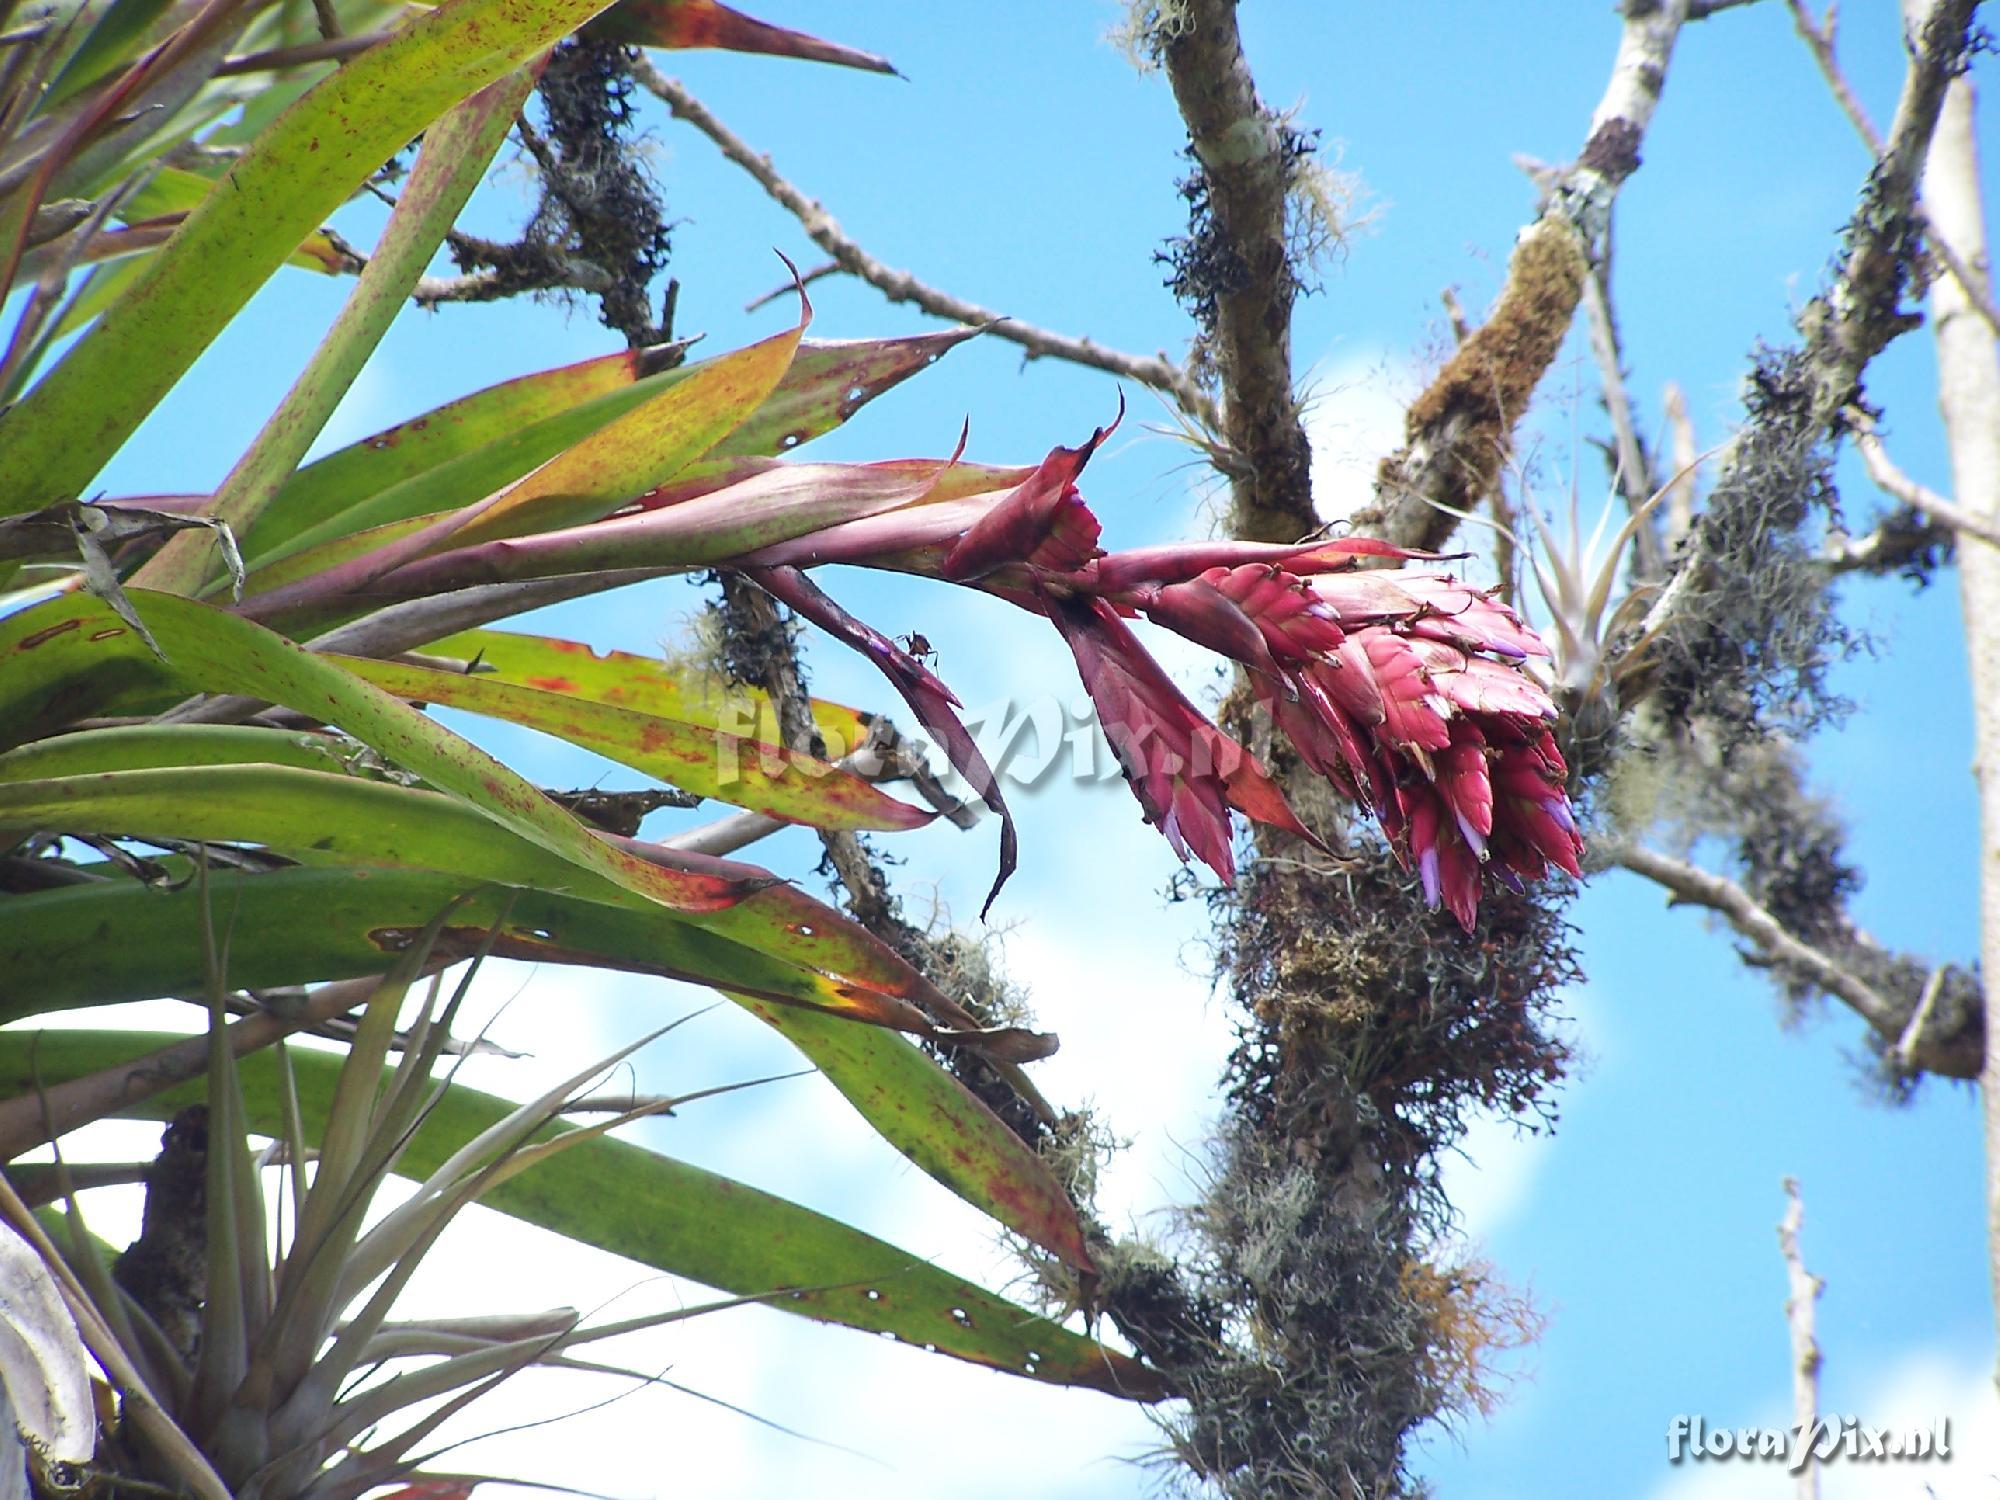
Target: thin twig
{"x":1892,"y":546}
{"x":900,"y":286}
{"x":1633,"y":469}
{"x":1832,"y":965}
{"x":1680,"y":489}
{"x":1819,"y":38}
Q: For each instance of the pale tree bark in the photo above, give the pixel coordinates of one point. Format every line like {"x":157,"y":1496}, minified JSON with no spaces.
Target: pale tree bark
{"x":1969,"y":397}
{"x":1803,"y":1289}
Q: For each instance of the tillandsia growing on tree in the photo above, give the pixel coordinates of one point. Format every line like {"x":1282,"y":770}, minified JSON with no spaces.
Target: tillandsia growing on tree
{"x":1406,"y":690}
{"x":328,"y":827}
{"x":220,"y":702}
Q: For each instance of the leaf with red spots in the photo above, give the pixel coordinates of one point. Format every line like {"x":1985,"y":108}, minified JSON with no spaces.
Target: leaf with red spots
{"x":720,"y":759}
{"x":664,"y":1213}
{"x":59,"y":658}
{"x":928,"y":1115}
{"x":644,"y":684}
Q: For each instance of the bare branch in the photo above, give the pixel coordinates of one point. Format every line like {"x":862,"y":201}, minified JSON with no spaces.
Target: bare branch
{"x":1459,"y":431}
{"x":1680,"y":490}
{"x":901,"y":286}
{"x":1819,"y":38}
{"x":1634,"y":469}
{"x":1956,"y":1055}
{"x":1690,"y":883}
{"x":31,"y":1119}
{"x":1803,"y":1291}
{"x":1968,"y":367}
{"x":1882,"y":469}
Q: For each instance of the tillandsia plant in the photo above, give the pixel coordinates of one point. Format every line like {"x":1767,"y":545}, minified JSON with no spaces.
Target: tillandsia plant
{"x":216,"y":703}
{"x":280,"y":1363}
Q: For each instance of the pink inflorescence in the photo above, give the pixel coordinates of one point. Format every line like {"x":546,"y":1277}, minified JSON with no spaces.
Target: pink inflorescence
{"x":1404,"y":689}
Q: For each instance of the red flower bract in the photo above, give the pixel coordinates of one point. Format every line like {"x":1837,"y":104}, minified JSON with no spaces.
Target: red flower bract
{"x":1389,"y":686}
{"x":1186,"y":773}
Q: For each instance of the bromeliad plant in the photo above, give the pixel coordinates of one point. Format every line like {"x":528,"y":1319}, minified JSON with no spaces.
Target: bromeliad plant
{"x":216,"y":703}
{"x":284,"y":1371}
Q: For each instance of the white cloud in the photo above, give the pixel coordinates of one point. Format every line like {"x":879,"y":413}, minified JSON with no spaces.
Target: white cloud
{"x":1491,"y":1177}
{"x":1353,"y":420}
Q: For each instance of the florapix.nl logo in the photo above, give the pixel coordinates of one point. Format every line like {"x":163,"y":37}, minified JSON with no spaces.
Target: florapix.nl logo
{"x":1824,"y":1440}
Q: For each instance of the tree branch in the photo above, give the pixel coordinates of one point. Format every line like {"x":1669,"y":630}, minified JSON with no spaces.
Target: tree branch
{"x":1460,"y":430}
{"x":1969,"y":400}
{"x":1774,"y":473}
{"x":1901,"y":541}
{"x":1893,"y":481}
{"x":1954,"y":1050}
{"x":1247,"y":157}
{"x":1803,"y":1291}
{"x":902,"y":286}
{"x":1819,"y":39}
{"x":1865,"y":303}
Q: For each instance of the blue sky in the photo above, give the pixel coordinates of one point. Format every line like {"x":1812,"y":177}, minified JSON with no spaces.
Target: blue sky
{"x":1026,"y":166}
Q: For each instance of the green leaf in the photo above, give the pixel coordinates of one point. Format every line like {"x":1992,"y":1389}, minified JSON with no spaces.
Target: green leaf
{"x":112,"y":41}
{"x":60,"y":657}
{"x":931,"y":1118}
{"x":470,"y":448}
{"x":117,"y":940}
{"x":454,"y":454}
{"x":299,"y":171}
{"x":293,"y":810}
{"x":600,"y":473}
{"x":332,"y":819}
{"x":713,"y":760}
{"x":643,"y":448}
{"x":141,"y":747}
{"x":68,"y":640}
{"x":829,"y":382}
{"x":644,"y":684}
{"x":667,"y":1214}
{"x":455,"y":155}
{"x":783,"y":503}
